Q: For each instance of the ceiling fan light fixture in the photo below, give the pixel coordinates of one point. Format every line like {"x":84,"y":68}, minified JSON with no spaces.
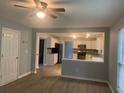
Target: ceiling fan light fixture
{"x":40,"y":14}
{"x":74,"y":36}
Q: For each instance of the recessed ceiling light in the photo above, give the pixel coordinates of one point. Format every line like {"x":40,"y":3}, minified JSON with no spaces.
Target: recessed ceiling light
{"x":87,"y":35}
{"x":40,"y":14}
{"x":74,"y":36}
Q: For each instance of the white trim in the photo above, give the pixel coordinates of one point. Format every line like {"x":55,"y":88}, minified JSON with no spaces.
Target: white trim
{"x":89,"y":79}
{"x":38,"y":37}
{"x":34,"y":72}
{"x":45,"y":64}
{"x":81,"y":78}
{"x":8,"y":82}
{"x":110,"y":86}
{"x":23,"y":75}
{"x":120,"y":90}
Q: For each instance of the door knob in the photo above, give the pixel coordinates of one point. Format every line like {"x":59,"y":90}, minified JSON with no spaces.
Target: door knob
{"x":17,"y":57}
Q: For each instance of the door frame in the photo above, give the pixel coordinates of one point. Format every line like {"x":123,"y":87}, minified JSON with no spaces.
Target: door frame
{"x":43,"y":51}
{"x":38,"y":37}
{"x":0,"y":55}
{"x":19,"y":37}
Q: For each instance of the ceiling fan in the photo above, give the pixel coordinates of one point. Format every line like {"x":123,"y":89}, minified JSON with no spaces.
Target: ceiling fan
{"x":43,"y":8}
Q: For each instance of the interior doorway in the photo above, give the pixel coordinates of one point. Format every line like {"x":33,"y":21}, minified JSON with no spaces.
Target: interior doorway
{"x":59,"y":48}
{"x":41,"y":52}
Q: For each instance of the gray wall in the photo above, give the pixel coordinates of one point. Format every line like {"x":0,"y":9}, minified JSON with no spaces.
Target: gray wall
{"x":84,"y":69}
{"x":0,"y":50}
{"x":25,"y":52}
{"x":33,"y":51}
{"x":62,"y":30}
{"x":25,"y":45}
{"x":89,"y":70}
{"x":113,"y":52}
{"x":113,"y":58}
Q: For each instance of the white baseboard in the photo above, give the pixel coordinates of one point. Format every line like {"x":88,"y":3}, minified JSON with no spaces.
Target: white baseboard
{"x":34,"y":72}
{"x":81,"y":78}
{"x":45,"y":64}
{"x":1,"y":85}
{"x":5,"y":83}
{"x":23,"y":75}
{"x":110,"y":86}
{"x":89,"y":79}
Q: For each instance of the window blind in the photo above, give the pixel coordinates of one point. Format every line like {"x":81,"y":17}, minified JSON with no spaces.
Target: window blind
{"x":121,"y":48}
{"x":121,"y":60}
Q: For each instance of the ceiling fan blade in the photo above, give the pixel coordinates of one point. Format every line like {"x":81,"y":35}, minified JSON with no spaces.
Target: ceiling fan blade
{"x":51,"y":15}
{"x":60,"y":2}
{"x":56,"y":9}
{"x":19,"y":0}
{"x":16,"y":5}
{"x":37,"y":3}
{"x":44,"y":4}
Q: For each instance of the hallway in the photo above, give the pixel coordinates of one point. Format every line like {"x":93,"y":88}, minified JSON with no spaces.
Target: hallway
{"x":49,"y":71}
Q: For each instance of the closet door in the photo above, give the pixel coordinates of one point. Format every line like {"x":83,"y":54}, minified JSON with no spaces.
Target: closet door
{"x":9,"y":55}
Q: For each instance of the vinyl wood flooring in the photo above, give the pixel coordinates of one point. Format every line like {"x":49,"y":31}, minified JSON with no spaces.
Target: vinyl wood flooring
{"x":48,"y":80}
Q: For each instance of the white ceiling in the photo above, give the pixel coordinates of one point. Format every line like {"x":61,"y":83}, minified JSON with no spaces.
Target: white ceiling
{"x":79,"y":13}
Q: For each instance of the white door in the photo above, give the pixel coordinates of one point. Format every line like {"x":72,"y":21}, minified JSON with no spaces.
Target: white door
{"x":9,"y":55}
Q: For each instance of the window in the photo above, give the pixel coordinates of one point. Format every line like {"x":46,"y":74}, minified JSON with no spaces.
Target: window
{"x":121,"y":61}
{"x":88,"y":46}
